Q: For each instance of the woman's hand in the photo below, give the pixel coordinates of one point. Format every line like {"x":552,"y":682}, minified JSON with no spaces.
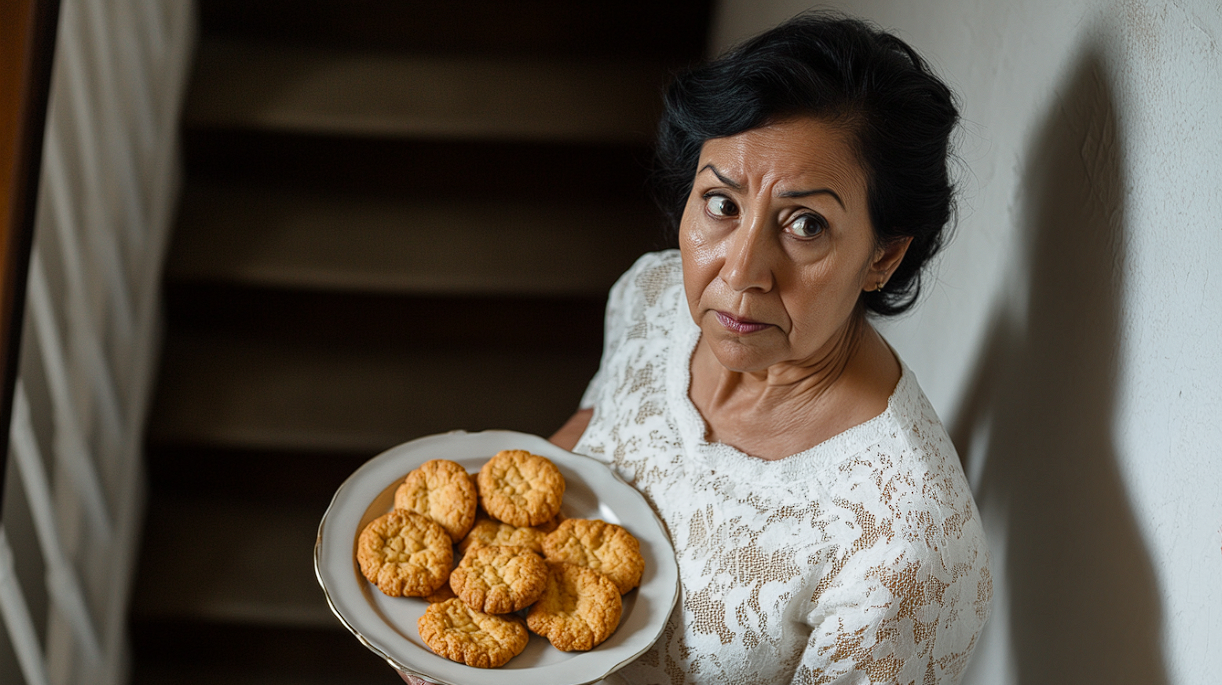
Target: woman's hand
{"x":570,"y":432}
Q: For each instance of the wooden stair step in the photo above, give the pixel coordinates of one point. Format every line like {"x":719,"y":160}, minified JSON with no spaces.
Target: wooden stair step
{"x":208,"y":653}
{"x":261,"y":391}
{"x":391,"y":319}
{"x":231,"y":561}
{"x":417,"y":167}
{"x":294,"y":239}
{"x":674,"y":29}
{"x":301,"y":478}
{"x":246,"y":84}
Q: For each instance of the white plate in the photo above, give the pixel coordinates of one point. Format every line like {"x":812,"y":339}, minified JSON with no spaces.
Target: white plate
{"x":387,"y":625}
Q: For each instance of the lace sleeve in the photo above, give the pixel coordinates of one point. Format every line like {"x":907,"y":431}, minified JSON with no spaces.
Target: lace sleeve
{"x":886,"y":616}
{"x":615,"y":325}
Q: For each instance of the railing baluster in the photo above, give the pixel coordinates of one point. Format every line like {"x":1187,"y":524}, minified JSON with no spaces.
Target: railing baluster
{"x":17,"y":619}
{"x":70,"y":445}
{"x":118,"y":135}
{"x":84,"y":112}
{"x":64,"y":586}
{"x":95,"y":364}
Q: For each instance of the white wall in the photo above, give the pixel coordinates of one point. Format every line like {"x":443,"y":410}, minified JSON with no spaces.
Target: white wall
{"x":1070,"y":340}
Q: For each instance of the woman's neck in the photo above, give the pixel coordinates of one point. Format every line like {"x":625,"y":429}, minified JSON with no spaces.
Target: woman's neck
{"x":791,"y":407}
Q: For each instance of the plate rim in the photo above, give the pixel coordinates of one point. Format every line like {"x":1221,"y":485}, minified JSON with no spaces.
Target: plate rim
{"x":668,"y":550}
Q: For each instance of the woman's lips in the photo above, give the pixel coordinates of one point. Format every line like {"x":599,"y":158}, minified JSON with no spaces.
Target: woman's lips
{"x":737,"y":325}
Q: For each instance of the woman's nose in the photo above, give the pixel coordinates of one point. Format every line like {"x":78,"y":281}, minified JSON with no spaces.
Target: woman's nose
{"x":748,"y":264}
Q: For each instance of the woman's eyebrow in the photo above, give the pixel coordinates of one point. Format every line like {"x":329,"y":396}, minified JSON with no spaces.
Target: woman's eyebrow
{"x":788,"y":194}
{"x":724,"y":179}
{"x":816,"y":191}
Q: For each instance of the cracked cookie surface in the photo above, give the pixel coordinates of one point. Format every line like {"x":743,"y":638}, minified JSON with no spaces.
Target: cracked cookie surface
{"x":499,"y":579}
{"x":459,"y":633}
{"x":520,"y":488}
{"x":604,"y":547}
{"x":487,"y":531}
{"x":443,"y":491}
{"x":405,"y":554}
{"x":579,"y":609}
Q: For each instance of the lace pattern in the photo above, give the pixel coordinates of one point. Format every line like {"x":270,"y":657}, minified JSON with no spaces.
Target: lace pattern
{"x":860,"y":560}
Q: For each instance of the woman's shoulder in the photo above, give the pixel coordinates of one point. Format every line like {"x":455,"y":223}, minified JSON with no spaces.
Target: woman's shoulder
{"x":910,"y":463}
{"x":647,"y":290}
{"x":908,"y":501}
{"x":651,"y":275}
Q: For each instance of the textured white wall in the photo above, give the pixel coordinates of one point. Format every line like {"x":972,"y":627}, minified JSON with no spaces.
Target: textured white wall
{"x":1070,"y":340}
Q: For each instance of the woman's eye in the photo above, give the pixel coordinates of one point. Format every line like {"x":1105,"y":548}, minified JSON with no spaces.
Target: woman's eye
{"x":720,"y":205}
{"x":808,"y":225}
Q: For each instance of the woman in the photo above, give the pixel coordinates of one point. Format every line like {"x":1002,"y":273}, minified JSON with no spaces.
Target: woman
{"x":824,"y":530}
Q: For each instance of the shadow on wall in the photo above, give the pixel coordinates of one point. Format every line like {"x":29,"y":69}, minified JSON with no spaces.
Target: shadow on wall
{"x":1083,"y":599}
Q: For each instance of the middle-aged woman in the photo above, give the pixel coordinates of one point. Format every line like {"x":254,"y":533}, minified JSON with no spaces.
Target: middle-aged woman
{"x":824,"y":529}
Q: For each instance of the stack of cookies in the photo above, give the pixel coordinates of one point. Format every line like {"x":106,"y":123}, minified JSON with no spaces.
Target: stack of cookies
{"x":518,"y":557}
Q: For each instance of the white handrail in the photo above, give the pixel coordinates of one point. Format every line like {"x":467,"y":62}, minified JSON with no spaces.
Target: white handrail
{"x":110,"y":174}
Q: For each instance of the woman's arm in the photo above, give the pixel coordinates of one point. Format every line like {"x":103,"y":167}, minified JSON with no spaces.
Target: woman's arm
{"x":571,"y":431}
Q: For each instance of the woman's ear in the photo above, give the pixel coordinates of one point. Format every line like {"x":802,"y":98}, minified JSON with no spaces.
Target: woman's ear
{"x":886,"y":259}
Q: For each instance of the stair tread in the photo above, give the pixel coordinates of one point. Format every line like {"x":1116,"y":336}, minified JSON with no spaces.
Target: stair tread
{"x":674,"y":29}
{"x":267,"y":572}
{"x":169,"y":652}
{"x":261,"y":391}
{"x":342,"y":242}
{"x":242,"y":83}
{"x":359,"y":317}
{"x":284,"y":675}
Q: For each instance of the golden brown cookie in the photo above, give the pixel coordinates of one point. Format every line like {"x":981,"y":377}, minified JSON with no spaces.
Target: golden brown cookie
{"x":550,"y":525}
{"x":604,"y":547}
{"x":462,"y":634}
{"x":579,"y":609}
{"x":520,"y":488}
{"x":488,"y":531}
{"x":441,"y":594}
{"x":441,"y":490}
{"x":499,"y":579}
{"x":405,"y":554}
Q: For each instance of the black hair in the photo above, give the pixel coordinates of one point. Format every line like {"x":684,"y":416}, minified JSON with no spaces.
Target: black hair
{"x":847,"y":72}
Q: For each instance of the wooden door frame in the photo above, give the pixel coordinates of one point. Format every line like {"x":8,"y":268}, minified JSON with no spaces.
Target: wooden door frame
{"x":27,"y":50}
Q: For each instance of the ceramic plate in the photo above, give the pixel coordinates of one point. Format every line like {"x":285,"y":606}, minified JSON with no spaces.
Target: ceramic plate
{"x":387,"y":625}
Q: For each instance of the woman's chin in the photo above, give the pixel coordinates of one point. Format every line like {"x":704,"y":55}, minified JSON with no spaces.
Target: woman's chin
{"x":743,"y":354}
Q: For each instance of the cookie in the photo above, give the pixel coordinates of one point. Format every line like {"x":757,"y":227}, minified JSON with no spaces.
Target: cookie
{"x":441,"y":490}
{"x":520,"y":488}
{"x":405,"y":554}
{"x":441,"y":594}
{"x":550,"y":525}
{"x":604,"y":547}
{"x":460,"y":633}
{"x":488,"y":531}
{"x":579,"y":609}
{"x":499,"y":579}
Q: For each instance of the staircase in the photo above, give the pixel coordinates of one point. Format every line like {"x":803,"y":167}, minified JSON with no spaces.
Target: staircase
{"x":398,"y":219}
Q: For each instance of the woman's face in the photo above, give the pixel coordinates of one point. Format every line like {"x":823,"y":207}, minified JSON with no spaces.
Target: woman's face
{"x":777,"y":244}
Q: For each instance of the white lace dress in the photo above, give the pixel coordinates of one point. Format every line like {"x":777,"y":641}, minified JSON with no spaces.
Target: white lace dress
{"x":860,"y":560}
